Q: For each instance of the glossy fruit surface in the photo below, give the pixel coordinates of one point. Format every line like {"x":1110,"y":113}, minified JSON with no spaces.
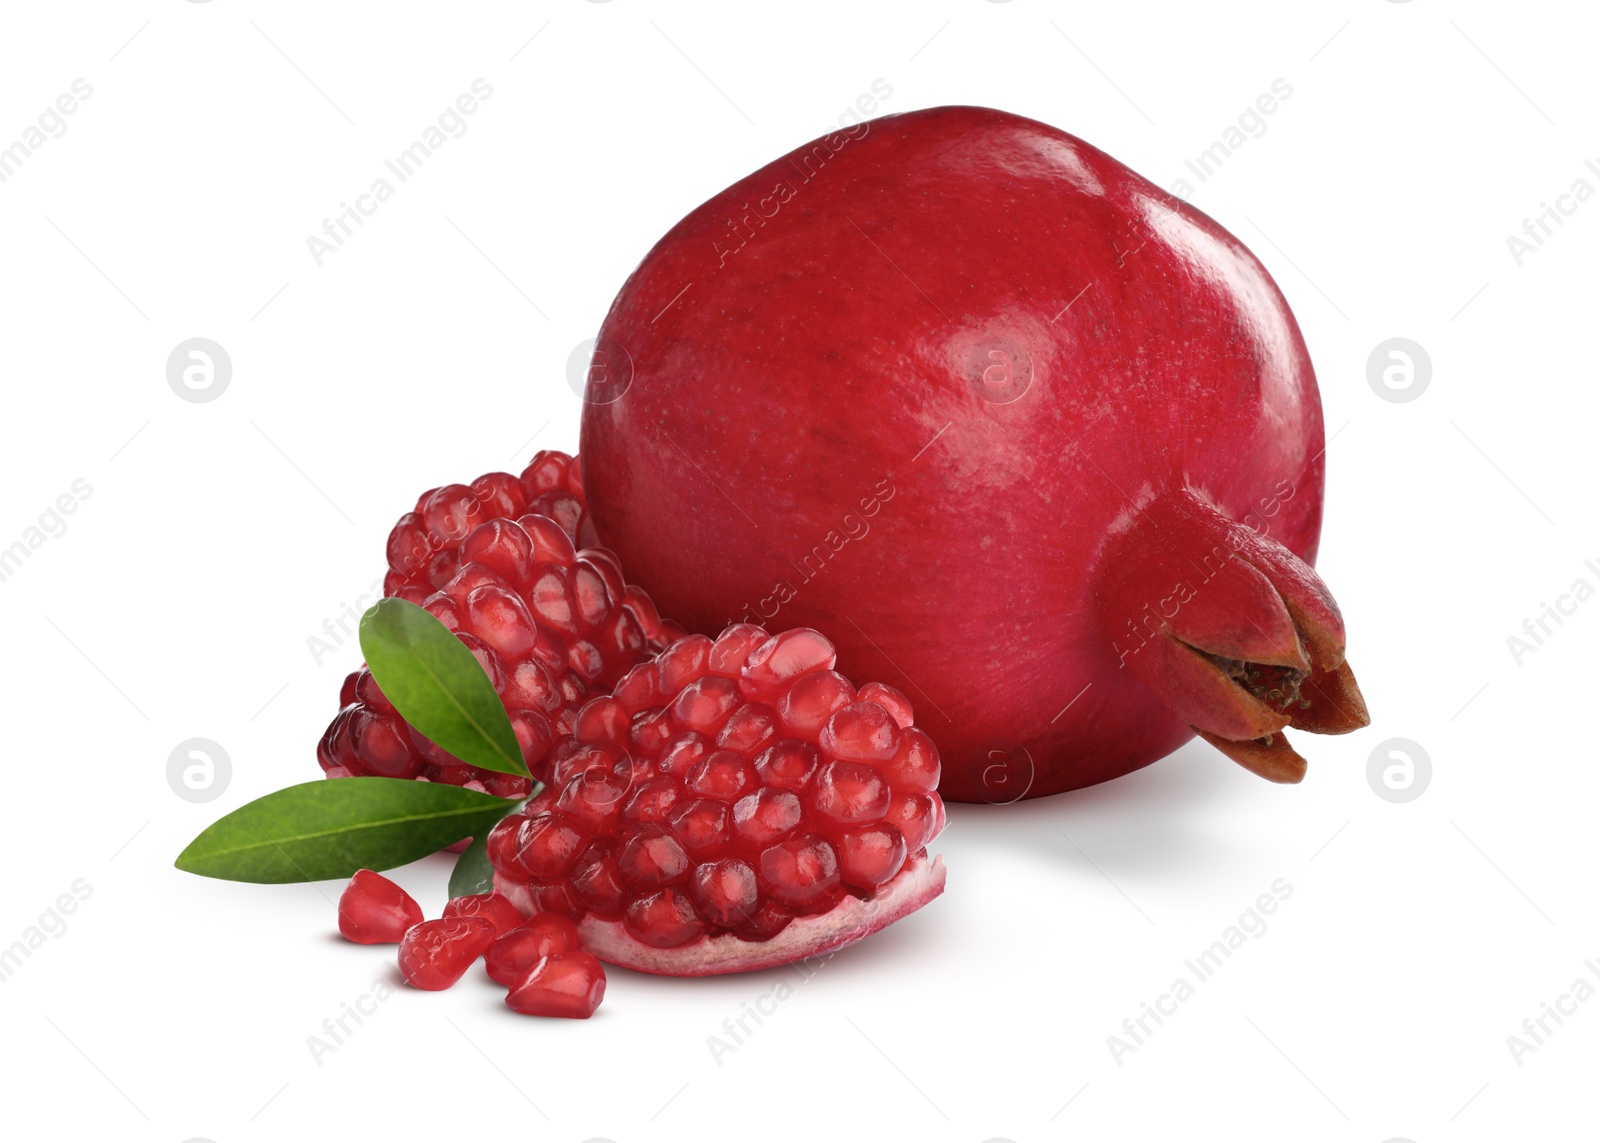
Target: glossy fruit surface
{"x":998,"y":415}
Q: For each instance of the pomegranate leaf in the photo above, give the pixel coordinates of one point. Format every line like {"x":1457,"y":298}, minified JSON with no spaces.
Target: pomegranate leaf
{"x":438,"y":686}
{"x":473,"y":873}
{"x":331,"y":828}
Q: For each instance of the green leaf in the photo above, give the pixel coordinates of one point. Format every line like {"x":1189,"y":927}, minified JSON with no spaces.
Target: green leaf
{"x":473,"y":873}
{"x":333,"y":827}
{"x":437,"y":686}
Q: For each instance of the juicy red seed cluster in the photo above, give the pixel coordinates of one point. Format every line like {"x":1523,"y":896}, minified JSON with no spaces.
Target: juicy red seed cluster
{"x":726,"y":787}
{"x":551,"y":625}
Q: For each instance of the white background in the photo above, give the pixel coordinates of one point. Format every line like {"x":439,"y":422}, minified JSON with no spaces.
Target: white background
{"x":219,"y":536}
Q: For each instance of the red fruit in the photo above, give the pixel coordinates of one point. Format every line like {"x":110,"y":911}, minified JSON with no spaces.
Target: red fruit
{"x":737,"y":851}
{"x":515,"y":953}
{"x":550,"y":625}
{"x":375,"y":911}
{"x":492,"y":907}
{"x":569,"y":984}
{"x":1063,"y":484}
{"x":435,"y":954}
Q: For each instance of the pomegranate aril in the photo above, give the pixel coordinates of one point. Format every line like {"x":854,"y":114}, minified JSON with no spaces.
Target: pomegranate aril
{"x":558,"y":897}
{"x":811,"y":700}
{"x":650,"y":857}
{"x":652,"y":802}
{"x":783,"y":657}
{"x":503,"y":547}
{"x":891,"y":700}
{"x":567,"y":984}
{"x":500,"y":494}
{"x":731,"y":649}
{"x":722,"y":774}
{"x":870,"y":855}
{"x":915,"y":765}
{"x":547,"y":845}
{"x":800,"y":871}
{"x":596,"y":883}
{"x":663,"y":919}
{"x":682,"y":753}
{"x":637,"y":689}
{"x":918,"y":817}
{"x":364,"y":689}
{"x":436,"y":954}
{"x":701,"y":826}
{"x":594,"y":800}
{"x":789,"y":763}
{"x":452,"y":513}
{"x":705,"y":704}
{"x":409,"y":547}
{"x":761,"y":818}
{"x":725,"y":892}
{"x":849,"y":793}
{"x":552,"y":544}
{"x":750,"y":728}
{"x":517,"y":950}
{"x":492,"y":907}
{"x":683,"y":663}
{"x":382,"y":746}
{"x":547,"y":472}
{"x":860,"y":732}
{"x":375,"y":911}
{"x":769,"y":919}
{"x":589,"y":595}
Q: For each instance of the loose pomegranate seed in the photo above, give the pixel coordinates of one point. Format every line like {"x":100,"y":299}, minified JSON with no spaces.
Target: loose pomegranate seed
{"x":375,"y":911}
{"x":492,"y":907}
{"x":569,"y":984}
{"x":513,"y":954}
{"x":435,"y":954}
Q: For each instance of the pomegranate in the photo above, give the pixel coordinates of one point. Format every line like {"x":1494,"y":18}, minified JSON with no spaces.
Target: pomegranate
{"x":735,"y":805}
{"x":1016,"y":427}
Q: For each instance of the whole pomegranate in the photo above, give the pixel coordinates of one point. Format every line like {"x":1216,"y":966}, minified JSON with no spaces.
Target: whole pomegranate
{"x":1022,"y":432}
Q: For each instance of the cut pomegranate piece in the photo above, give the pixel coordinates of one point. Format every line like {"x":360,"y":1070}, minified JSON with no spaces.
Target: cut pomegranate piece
{"x":551,"y":625}
{"x":512,"y":955}
{"x":691,"y":827}
{"x":436,"y":954}
{"x":375,"y":911}
{"x":1069,"y":457}
{"x":569,"y":984}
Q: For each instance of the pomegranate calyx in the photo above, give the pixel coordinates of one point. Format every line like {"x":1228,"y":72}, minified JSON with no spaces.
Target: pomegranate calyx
{"x":1231,"y":629}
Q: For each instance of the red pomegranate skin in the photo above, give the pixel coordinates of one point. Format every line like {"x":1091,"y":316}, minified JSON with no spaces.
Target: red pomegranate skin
{"x":809,"y":437}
